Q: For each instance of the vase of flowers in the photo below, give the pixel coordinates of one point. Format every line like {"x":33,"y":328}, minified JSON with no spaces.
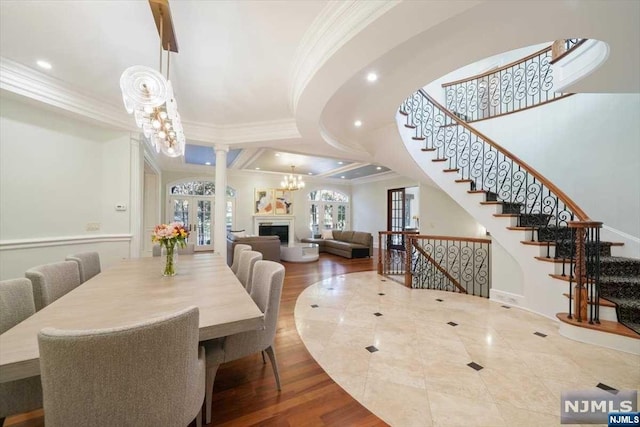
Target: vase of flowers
{"x":169,"y":236}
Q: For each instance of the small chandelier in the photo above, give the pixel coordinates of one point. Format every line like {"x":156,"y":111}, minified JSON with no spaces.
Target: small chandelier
{"x":291,"y":182}
{"x":149,"y":96}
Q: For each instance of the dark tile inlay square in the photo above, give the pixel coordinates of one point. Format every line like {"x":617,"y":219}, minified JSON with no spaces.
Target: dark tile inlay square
{"x":377,"y":314}
{"x":372,"y":349}
{"x":540,"y":334}
{"x":506,"y":306}
{"x":380,"y":294}
{"x":439,"y":300}
{"x":452,"y":323}
{"x":383,"y":280}
{"x":475,"y":366}
{"x":607,"y":388}
{"x":314,"y":305}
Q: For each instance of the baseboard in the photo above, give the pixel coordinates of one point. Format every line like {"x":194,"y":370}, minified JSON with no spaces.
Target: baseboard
{"x":504,"y":297}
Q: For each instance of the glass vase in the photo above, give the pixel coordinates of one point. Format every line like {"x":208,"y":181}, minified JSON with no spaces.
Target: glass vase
{"x":171,"y":256}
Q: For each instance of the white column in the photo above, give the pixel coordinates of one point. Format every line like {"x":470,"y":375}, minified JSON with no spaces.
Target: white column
{"x":220,"y":229}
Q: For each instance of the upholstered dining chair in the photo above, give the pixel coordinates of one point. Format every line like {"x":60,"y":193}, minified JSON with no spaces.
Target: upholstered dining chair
{"x":236,"y":256}
{"x":145,"y":375}
{"x":88,"y":264}
{"x":51,"y":281}
{"x":16,"y":304}
{"x":268,"y":277}
{"x":245,"y":267}
{"x":188,"y":249}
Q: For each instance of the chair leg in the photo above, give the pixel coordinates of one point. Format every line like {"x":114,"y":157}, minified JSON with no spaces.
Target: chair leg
{"x":199,"y":419}
{"x":263,"y":359}
{"x":274,"y":364}
{"x":211,"y":376}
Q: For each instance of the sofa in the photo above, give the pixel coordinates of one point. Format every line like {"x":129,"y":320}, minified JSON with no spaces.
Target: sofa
{"x":268,"y":246}
{"x":349,"y":244}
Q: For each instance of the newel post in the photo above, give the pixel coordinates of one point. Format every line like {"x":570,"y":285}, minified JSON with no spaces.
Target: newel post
{"x":581,"y":270}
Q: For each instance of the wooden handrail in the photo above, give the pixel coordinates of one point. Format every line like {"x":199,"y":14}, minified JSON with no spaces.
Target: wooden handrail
{"x":566,"y":52}
{"x":387,"y":233}
{"x":455,"y":239}
{"x":438,"y":266}
{"x":585,"y":224}
{"x":497,"y":70}
{"x":579,"y":213}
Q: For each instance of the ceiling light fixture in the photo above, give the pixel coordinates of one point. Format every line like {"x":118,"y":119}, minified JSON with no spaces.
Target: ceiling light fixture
{"x":372,"y":77}
{"x":149,"y":95}
{"x":342,"y":177}
{"x":291,"y":182}
{"x":357,"y":123}
{"x":207,"y":163}
{"x":44,"y":64}
{"x":379,"y":168}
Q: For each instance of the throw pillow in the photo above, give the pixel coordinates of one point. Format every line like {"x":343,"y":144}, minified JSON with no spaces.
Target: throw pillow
{"x":238,"y":233}
{"x":327,"y":234}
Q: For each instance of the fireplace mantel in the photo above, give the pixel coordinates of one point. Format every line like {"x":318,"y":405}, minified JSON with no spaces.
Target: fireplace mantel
{"x":275,"y":220}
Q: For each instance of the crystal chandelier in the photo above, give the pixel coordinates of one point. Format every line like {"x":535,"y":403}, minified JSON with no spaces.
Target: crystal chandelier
{"x":149,"y":96}
{"x":291,"y":182}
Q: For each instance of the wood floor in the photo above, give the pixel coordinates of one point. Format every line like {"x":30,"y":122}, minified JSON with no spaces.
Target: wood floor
{"x":245,"y":392}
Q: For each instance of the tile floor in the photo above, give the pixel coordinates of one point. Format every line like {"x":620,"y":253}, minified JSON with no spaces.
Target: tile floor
{"x":423,"y":358}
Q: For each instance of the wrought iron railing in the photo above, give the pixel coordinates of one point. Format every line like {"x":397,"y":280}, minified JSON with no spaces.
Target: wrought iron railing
{"x":392,"y":254}
{"x":454,"y":264}
{"x":525,"y":83}
{"x":561,"y":48}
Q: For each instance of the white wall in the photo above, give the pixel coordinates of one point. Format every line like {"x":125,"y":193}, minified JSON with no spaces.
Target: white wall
{"x":589,"y":146}
{"x":57,"y":175}
{"x":506,"y":273}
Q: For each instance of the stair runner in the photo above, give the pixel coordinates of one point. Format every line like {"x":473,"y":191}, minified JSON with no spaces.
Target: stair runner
{"x":619,"y":276}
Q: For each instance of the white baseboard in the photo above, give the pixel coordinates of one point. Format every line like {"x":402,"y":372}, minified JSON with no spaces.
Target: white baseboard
{"x":506,"y":298}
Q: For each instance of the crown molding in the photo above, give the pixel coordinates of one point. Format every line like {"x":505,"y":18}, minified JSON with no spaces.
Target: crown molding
{"x":384,"y":176}
{"x":242,"y":132}
{"x":24,"y":81}
{"x":337,"y":23}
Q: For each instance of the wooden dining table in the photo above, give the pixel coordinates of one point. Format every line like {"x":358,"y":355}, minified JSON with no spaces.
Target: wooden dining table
{"x":133,"y":291}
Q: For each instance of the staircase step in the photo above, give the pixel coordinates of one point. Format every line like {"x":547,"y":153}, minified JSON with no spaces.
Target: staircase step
{"x":564,"y":247}
{"x":418,"y":138}
{"x":410,"y":126}
{"x":492,"y":202}
{"x":506,"y":215}
{"x":628,"y":311}
{"x":553,"y":260}
{"x":603,"y":326}
{"x":404,"y":113}
{"x":534,"y":243}
{"x":603,"y":302}
{"x":527,"y":220}
{"x":518,"y":228}
{"x":620,"y":266}
{"x":476,"y":191}
{"x":463,"y":180}
{"x":439,"y":160}
{"x":451,"y":170}
{"x":429,"y":149}
{"x":510,"y":207}
{"x":553,"y":233}
{"x":620,"y":287}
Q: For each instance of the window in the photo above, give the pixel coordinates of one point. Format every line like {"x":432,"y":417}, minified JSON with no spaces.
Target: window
{"x":328,"y":209}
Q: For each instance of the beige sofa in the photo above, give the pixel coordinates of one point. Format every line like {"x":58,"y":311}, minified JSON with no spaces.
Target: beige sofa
{"x":349,"y":244}
{"x":268,"y":246}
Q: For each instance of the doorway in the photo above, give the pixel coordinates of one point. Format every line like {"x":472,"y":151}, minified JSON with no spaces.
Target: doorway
{"x":195,"y":213}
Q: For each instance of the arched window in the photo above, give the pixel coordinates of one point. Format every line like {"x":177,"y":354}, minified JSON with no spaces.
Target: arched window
{"x":328,"y":209}
{"x":191,"y":202}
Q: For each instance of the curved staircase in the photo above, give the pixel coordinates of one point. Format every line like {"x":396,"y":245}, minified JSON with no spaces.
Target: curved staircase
{"x":532,"y":211}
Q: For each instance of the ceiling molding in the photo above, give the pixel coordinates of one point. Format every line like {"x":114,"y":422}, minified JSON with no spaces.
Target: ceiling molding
{"x":246,"y":157}
{"x":384,"y":176}
{"x":342,"y":169}
{"x":24,"y":81}
{"x":243,"y":132}
{"x":336,"y":24}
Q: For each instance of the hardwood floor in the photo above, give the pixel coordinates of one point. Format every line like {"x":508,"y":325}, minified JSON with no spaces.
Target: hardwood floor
{"x":245,"y":393}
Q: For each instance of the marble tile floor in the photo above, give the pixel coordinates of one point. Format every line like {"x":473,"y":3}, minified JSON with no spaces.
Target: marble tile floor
{"x":435,"y":358}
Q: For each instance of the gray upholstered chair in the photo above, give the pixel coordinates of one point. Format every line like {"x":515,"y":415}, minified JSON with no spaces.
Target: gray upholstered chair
{"x":88,"y":264}
{"x":156,"y":250}
{"x":268,"y":277}
{"x":16,"y":304}
{"x":245,"y":267}
{"x":236,"y":256}
{"x":188,"y":249}
{"x":51,"y":281}
{"x":148,"y":374}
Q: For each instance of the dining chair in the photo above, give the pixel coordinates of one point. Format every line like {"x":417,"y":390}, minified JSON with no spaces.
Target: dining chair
{"x":245,"y":268}
{"x":88,"y":264}
{"x":268,"y":277}
{"x":236,"y":256}
{"x":188,"y":249}
{"x":145,"y":375}
{"x":16,"y":304}
{"x":51,"y":281}
{"x":156,"y":250}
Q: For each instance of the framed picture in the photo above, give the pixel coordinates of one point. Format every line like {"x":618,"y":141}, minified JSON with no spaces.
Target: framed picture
{"x":264,"y":202}
{"x":284,"y":204}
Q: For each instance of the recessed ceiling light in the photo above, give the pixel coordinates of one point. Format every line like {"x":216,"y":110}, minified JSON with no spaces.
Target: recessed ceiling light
{"x":309,"y":173}
{"x":207,"y":163}
{"x":44,"y":64}
{"x":372,"y":77}
{"x":277,"y":154}
{"x":257,"y":169}
{"x":379,"y":168}
{"x":342,"y":177}
{"x":357,"y":123}
{"x":341,"y":163}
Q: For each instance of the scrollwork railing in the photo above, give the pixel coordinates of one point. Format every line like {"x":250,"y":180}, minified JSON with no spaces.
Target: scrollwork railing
{"x":454,"y":264}
{"x":392,"y":260}
{"x":522,"y":84}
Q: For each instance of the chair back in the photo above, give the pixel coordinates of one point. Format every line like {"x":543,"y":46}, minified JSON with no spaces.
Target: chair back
{"x":245,"y":267}
{"x":188,"y":249}
{"x":16,"y":304}
{"x":146,"y":374}
{"x":88,"y":264}
{"x":236,"y":256}
{"x":51,"y":281}
{"x":156,"y":250}
{"x":268,"y":277}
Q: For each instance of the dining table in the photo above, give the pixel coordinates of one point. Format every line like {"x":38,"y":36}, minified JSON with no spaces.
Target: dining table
{"x":133,"y":291}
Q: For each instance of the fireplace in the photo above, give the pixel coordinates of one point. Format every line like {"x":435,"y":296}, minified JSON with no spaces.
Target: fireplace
{"x":281,"y":231}
{"x":275,"y":225}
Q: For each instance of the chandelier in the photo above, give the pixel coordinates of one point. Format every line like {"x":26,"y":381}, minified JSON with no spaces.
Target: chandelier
{"x":291,"y":182}
{"x":149,"y":95}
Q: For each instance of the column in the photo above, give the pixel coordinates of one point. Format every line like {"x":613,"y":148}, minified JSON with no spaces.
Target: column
{"x":220,"y":229}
